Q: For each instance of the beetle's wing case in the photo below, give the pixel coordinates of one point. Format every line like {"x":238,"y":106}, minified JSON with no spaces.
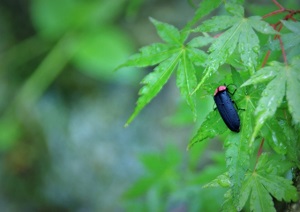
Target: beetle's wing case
{"x":227,"y":110}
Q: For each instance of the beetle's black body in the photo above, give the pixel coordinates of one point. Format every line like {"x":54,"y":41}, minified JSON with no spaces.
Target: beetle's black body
{"x":226,"y":108}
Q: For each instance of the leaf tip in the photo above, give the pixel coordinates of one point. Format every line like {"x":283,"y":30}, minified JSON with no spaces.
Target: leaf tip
{"x":118,"y":68}
{"x":128,"y":122}
{"x":153,"y":20}
{"x":188,"y":148}
{"x":190,"y":145}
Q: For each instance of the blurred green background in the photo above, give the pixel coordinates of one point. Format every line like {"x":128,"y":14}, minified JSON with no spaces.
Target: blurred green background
{"x":63,"y":146}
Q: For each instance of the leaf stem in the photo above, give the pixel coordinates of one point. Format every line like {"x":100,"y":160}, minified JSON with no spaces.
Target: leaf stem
{"x":283,"y":51}
{"x":282,"y":10}
{"x":259,"y":152}
{"x":278,"y":26}
{"x":45,"y":73}
{"x":266,"y":58}
{"x":274,"y":13}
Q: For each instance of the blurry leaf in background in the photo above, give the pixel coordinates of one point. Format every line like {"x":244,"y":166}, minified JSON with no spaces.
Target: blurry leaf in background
{"x":133,"y":7}
{"x":101,"y":50}
{"x":40,"y":70}
{"x":56,"y":17}
{"x":171,"y":182}
{"x":100,"y":46}
{"x":9,"y":133}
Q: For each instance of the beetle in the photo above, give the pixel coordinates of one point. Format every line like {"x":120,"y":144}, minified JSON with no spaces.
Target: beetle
{"x":226,"y":108}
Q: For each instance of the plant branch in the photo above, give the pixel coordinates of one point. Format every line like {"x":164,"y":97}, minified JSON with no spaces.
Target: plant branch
{"x":281,"y":10}
{"x":278,"y":26}
{"x":266,"y":58}
{"x":277,"y":4}
{"x":273,"y":13}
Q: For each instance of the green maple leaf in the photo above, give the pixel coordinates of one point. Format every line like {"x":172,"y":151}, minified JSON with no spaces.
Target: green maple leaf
{"x":239,"y":34}
{"x":172,"y":55}
{"x":283,"y":80}
{"x":264,"y":182}
{"x":207,"y":130}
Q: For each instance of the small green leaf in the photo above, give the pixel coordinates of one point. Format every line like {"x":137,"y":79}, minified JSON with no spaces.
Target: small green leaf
{"x":268,"y":170}
{"x":167,"y":32}
{"x":167,"y":57}
{"x":154,"y":83}
{"x":279,"y":187}
{"x":293,"y":88}
{"x":265,"y":180}
{"x":207,"y":130}
{"x":261,"y":26}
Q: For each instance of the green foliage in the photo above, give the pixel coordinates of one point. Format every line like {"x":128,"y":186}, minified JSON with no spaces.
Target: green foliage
{"x":258,"y":186}
{"x":169,"y":182}
{"x":80,"y":33}
{"x":269,"y":94}
{"x":284,"y":80}
{"x":95,"y":43}
{"x":291,"y":40}
{"x":169,"y":56}
{"x":60,"y":54}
